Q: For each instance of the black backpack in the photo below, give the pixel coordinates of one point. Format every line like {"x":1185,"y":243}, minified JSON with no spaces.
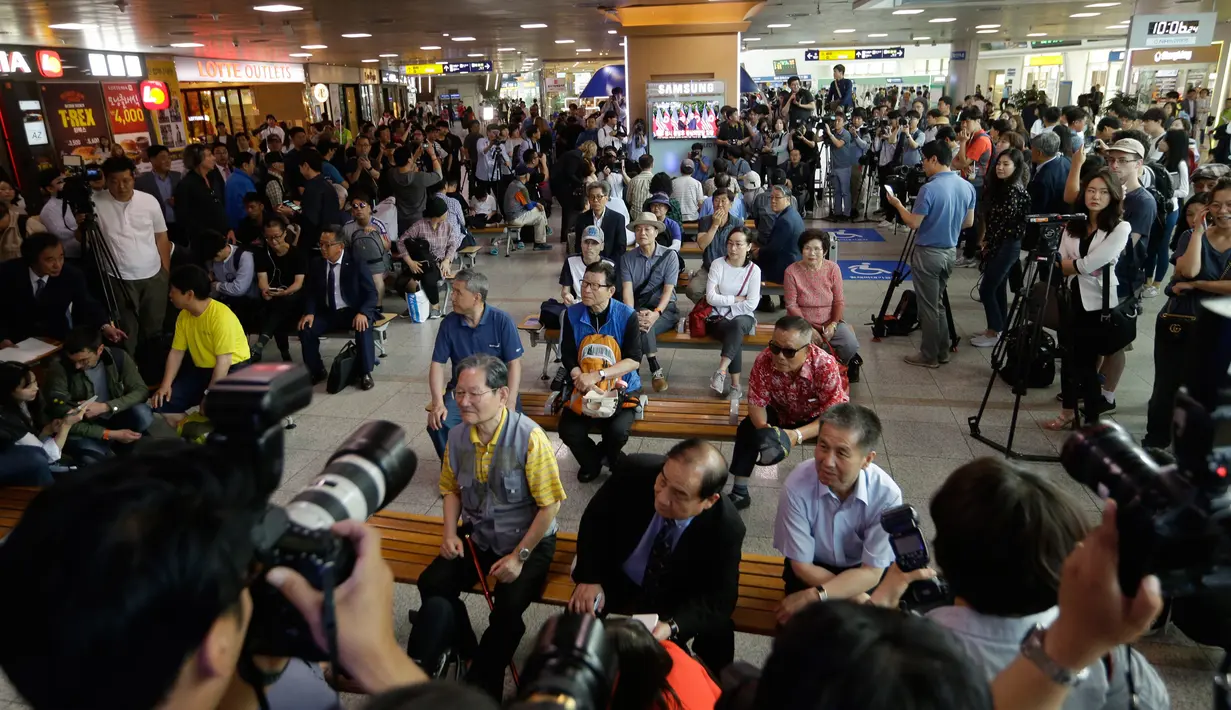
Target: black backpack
{"x":1162,"y":185}
{"x":905,"y":318}
{"x":1040,"y":372}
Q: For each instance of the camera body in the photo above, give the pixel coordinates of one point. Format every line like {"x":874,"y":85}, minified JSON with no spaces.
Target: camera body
{"x":77,"y":194}
{"x":1044,"y":231}
{"x":910,"y":551}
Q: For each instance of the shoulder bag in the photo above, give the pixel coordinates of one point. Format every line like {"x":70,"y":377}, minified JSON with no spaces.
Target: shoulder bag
{"x":641,"y":298}
{"x":1119,"y":323}
{"x":1174,"y":327}
{"x":703,"y":312}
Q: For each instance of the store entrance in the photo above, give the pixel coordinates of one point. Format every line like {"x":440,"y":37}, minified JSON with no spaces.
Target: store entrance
{"x":995,"y":85}
{"x":233,"y":107}
{"x":1047,"y":78}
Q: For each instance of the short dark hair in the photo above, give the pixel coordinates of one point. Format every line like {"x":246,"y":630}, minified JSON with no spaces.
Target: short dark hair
{"x":817,"y":235}
{"x":251,"y":197}
{"x":496,"y":372}
{"x":115,"y":165}
{"x":1135,"y":133}
{"x":840,"y":67}
{"x":934,"y":113}
{"x":1075,"y":113}
{"x":970,"y":114}
{"x":846,"y":655}
{"x":314,"y":160}
{"x":794,"y":324}
{"x":294,"y":132}
{"x":210,"y":241}
{"x":191,"y":277}
{"x":358,"y":193}
{"x":1002,"y":535}
{"x":947,"y":100}
{"x":35,"y":244}
{"x":792,"y":79}
{"x":139,"y":558}
{"x":81,"y":338}
{"x":275,"y":219}
{"x":645,"y":162}
{"x":939,"y":150}
{"x":274,"y":158}
{"x":857,"y":419}
{"x":604,"y":268}
{"x":242,"y":158}
{"x":1154,"y":114}
{"x":156,"y":150}
{"x":696,"y":452}
{"x":1051,"y":114}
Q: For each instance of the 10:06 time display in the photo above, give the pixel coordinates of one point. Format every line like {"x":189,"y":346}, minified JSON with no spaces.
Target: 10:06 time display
{"x":1173,"y":27}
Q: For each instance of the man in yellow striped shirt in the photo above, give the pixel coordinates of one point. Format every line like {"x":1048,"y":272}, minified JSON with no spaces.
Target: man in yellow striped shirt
{"x":499,"y":475}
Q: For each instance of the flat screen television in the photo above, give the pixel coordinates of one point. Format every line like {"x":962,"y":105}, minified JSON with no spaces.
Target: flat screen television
{"x":684,"y":120}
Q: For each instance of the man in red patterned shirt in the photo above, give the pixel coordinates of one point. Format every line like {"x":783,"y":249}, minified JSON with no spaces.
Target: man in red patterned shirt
{"x":792,"y":383}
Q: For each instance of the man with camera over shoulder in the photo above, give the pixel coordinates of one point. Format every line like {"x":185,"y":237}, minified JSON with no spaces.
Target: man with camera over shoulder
{"x":800,"y":103}
{"x":137,"y":591}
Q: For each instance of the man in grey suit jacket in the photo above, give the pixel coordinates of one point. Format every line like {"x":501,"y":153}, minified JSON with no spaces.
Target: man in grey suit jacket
{"x":161,"y":183}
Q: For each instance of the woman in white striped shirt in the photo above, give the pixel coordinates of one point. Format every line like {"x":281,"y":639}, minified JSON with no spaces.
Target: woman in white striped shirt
{"x":733,"y":289}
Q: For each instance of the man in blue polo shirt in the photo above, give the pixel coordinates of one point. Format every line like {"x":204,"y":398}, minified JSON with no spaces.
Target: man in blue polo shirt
{"x":472,"y":328}
{"x":945,"y":206}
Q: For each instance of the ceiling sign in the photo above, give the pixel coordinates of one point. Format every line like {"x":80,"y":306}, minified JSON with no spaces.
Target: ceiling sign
{"x":468,"y":67}
{"x":828,"y":55}
{"x":1045,"y":60}
{"x":419,"y":69}
{"x":1195,"y":29}
{"x":703,"y":87}
{"x":69,"y":63}
{"x":1196,"y":55}
{"x":881,"y":53}
{"x":238,"y":72}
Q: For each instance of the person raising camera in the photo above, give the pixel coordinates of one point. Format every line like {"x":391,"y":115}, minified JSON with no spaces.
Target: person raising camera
{"x":1087,"y":256}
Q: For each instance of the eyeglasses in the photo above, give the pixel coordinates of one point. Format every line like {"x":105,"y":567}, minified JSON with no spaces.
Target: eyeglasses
{"x":358,"y":205}
{"x":463,"y":396}
{"x":788,"y":353}
{"x":591,"y":284}
{"x":1113,"y":162}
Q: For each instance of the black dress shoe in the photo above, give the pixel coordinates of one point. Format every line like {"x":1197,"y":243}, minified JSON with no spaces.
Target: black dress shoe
{"x":319,"y":377}
{"x":366,"y":383}
{"x":587,"y":476}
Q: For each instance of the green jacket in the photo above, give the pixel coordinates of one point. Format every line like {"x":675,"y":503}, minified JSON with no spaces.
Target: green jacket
{"x":65,"y":386}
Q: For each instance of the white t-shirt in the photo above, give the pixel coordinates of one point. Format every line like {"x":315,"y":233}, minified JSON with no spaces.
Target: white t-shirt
{"x":63,"y":224}
{"x":275,"y":130}
{"x":129,"y":228}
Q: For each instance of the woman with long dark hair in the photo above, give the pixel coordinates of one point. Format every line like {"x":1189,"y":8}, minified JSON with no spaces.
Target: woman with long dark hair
{"x":656,"y":676}
{"x":1005,"y":205}
{"x":1087,"y":257}
{"x":29,"y":442}
{"x":1174,"y":146}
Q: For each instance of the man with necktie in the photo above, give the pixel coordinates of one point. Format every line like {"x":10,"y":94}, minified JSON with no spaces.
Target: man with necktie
{"x":45,"y":297}
{"x":341,"y":295}
{"x":659,"y":537}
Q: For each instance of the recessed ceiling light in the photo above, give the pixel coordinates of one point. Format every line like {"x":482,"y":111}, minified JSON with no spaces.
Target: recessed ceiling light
{"x":356,"y":35}
{"x":752,"y":39}
{"x":74,"y":26}
{"x":462,"y":39}
{"x":534,"y":26}
{"x":185,"y":45}
{"x":314,"y":46}
{"x":430,"y":47}
{"x":942,"y":19}
{"x":277,"y":8}
{"x":564,"y":41}
{"x":583,"y":49}
{"x":386,"y":56}
{"x":1037,"y":34}
{"x":1085,"y":14}
{"x":506,"y":49}
{"x":807,"y":41}
{"x":779,"y":25}
{"x":1103,"y":4}
{"x":611,"y":32}
{"x":300,"y":54}
{"x":1110,"y":27}
{"x":474,"y":55}
{"x":986,"y":32}
{"x":987,"y":27}
{"x":369,"y":61}
{"x":920,"y":39}
{"x":878,"y":34}
{"x":843,"y":31}
{"x":907,"y":12}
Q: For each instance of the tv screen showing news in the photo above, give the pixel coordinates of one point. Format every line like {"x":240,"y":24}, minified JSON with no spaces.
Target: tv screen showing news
{"x":684,"y":119}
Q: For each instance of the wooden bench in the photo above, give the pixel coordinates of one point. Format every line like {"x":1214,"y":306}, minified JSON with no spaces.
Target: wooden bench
{"x":411,"y":542}
{"x":694,"y":227}
{"x":768,"y":288}
{"x":662,"y":418}
{"x":468,"y":256}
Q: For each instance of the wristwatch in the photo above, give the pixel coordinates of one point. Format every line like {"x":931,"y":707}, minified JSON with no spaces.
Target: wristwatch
{"x":602,"y":374}
{"x":824,"y":595}
{"x":1032,"y":649}
{"x":114,"y":409}
{"x":523,"y":554}
{"x":675,"y":629}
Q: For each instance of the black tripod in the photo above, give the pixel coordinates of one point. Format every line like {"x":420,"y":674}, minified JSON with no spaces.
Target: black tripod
{"x":882,"y":324}
{"x":1039,"y":265}
{"x":869,"y":188}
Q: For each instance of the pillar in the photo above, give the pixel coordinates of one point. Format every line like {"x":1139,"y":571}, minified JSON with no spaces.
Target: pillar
{"x":962,"y":76}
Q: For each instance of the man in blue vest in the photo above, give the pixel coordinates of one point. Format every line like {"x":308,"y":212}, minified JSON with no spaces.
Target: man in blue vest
{"x":499,"y":475}
{"x":600,"y":348}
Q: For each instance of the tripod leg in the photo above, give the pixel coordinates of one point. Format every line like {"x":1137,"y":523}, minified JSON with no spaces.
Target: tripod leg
{"x":953,"y":339}
{"x":899,"y":275}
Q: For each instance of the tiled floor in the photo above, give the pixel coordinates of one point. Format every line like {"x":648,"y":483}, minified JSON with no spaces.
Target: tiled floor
{"x":924,"y":412}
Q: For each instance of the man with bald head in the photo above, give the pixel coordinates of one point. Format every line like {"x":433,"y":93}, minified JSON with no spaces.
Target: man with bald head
{"x":660,"y":538}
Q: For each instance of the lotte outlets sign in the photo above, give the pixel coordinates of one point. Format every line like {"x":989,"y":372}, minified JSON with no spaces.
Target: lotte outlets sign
{"x":237,"y":72}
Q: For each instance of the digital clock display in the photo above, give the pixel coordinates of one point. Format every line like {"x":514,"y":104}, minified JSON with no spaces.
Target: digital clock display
{"x":1173,"y":27}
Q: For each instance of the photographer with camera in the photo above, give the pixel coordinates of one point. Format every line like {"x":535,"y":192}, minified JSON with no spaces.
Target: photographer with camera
{"x":800,"y":103}
{"x":841,"y":89}
{"x":843,"y":157}
{"x":890,"y":146}
{"x":732,"y":134}
{"x":176,"y":524}
{"x":972,"y":160}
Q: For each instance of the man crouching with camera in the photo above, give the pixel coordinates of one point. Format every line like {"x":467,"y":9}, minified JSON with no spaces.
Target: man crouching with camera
{"x":130,"y":587}
{"x":1002,"y":537}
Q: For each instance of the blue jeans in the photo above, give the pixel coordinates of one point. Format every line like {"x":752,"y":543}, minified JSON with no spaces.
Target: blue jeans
{"x":1159,"y":258}
{"x":992,"y":290}
{"x":841,"y":191}
{"x":453,"y":417}
{"x":24,"y":466}
{"x":86,"y":450}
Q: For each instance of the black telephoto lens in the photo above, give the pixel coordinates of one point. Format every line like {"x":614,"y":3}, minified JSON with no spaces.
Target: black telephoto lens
{"x":1104,"y":458}
{"x":572,"y":666}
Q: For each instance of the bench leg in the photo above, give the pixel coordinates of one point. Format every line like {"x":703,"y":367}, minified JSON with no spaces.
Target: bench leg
{"x":382,"y":334}
{"x":508,"y":241}
{"x":546,"y":357}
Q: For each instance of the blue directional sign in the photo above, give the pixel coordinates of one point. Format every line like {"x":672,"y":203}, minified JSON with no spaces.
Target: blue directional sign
{"x":468,"y":67}
{"x":855,"y":270}
{"x":856,"y":235}
{"x":957,"y":55}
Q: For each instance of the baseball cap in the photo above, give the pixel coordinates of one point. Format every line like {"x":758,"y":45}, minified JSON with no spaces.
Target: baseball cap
{"x":751,"y":180}
{"x":1128,"y":145}
{"x":688,"y":163}
{"x":592,"y":234}
{"x":774,"y":445}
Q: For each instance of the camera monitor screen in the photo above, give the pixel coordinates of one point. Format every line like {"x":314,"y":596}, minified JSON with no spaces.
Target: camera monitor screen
{"x":684,"y":119}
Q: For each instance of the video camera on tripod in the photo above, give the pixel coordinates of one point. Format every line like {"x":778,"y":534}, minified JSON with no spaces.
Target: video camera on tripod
{"x":77,"y":193}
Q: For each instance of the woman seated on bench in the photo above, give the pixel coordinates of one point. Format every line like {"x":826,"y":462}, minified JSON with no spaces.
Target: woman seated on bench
{"x":29,"y":444}
{"x":813,"y":289}
{"x":733,"y":289}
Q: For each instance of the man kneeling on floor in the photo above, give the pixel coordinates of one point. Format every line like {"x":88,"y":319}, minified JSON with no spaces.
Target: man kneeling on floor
{"x":829,"y":513}
{"x":660,"y":538}
{"x":791,"y":385}
{"x":499,"y":475}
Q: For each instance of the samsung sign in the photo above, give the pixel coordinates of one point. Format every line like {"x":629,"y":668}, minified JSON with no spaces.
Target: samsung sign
{"x":704,"y":87}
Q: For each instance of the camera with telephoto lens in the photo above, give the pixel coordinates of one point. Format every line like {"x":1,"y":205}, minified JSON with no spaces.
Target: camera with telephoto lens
{"x":367,"y":471}
{"x":1174,"y":521}
{"x":910,"y":551}
{"x":572,"y":667}
{"x":77,"y":194}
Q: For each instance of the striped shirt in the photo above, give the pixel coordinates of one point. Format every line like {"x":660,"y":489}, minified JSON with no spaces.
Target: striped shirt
{"x":542,"y":473}
{"x":444,"y":239}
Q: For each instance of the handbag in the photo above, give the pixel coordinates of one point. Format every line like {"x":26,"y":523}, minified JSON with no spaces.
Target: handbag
{"x":1174,"y":327}
{"x":1119,"y":324}
{"x":702,"y":311}
{"x":342,"y":371}
{"x":638,"y":297}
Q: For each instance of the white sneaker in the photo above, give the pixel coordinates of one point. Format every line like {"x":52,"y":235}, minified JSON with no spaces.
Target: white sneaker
{"x":1150,"y":292}
{"x":884,"y":224}
{"x":718,"y":382}
{"x":983,"y":340}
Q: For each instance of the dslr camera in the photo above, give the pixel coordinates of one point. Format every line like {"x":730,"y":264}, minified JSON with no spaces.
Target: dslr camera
{"x":1044,"y":231}
{"x":77,"y":194}
{"x":363,"y":475}
{"x":910,"y":551}
{"x":572,"y":667}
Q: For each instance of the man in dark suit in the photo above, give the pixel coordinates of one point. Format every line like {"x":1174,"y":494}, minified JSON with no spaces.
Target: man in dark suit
{"x":37,"y":292}
{"x":659,"y":537}
{"x":612,"y":223}
{"x":340,"y":294}
{"x":197,"y":206}
{"x":1051,"y":171}
{"x":161,"y":183}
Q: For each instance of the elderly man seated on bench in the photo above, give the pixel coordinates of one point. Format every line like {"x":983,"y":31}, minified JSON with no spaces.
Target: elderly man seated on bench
{"x":790,"y":386}
{"x":648,"y":276}
{"x":661,"y":538}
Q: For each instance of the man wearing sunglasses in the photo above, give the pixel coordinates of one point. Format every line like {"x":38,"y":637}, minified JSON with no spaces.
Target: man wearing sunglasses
{"x":791,"y":385}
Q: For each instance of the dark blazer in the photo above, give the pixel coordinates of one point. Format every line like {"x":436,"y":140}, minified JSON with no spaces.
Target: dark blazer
{"x":781,"y":249}
{"x":23,"y":317}
{"x":1046,"y":187}
{"x":701,"y":584}
{"x":197,"y":208}
{"x":614,"y":228}
{"x":146,"y":183}
{"x":358,"y":289}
